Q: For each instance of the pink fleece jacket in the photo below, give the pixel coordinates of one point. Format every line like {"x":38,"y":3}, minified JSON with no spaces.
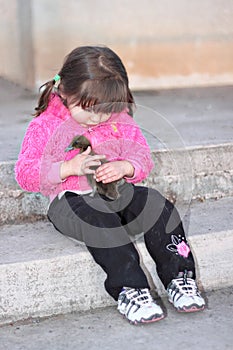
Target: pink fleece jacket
{"x":47,"y":136}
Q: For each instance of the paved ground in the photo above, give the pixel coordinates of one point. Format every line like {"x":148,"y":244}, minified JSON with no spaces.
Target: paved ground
{"x":169,"y":118}
{"x":106,"y":329}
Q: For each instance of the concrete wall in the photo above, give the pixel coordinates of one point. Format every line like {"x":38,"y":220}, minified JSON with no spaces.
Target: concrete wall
{"x":162,"y":43}
{"x":16,"y":38}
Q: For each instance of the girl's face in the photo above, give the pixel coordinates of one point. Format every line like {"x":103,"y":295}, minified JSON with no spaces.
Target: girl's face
{"x":87,"y":118}
{"x":83,"y":117}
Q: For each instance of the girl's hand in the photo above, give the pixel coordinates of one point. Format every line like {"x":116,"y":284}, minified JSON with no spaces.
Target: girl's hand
{"x":113,"y":171}
{"x":80,"y":164}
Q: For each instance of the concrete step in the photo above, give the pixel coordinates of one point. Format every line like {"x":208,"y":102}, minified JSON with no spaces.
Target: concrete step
{"x":43,"y":273}
{"x":200,"y":172}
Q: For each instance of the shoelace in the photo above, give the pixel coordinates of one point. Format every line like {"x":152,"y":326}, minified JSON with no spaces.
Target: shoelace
{"x":139,"y":296}
{"x":186,"y":286}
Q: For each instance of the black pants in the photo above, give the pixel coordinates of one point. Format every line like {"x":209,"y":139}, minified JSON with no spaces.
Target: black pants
{"x":108,"y":229}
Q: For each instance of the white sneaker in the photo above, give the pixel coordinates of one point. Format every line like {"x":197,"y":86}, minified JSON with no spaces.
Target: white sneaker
{"x":138,"y":306}
{"x":183,"y":293}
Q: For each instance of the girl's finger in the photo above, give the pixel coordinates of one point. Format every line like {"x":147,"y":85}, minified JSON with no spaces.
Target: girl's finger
{"x":104,"y":168}
{"x":104,"y":171}
{"x":89,"y":171}
{"x":87,"y":151}
{"x":111,"y":179}
{"x":104,"y":175}
{"x":98,"y":156}
{"x":90,"y":163}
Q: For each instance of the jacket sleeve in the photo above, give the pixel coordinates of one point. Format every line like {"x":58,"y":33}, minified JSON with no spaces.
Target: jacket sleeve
{"x":127,"y":143}
{"x":33,"y":169}
{"x":135,"y":149}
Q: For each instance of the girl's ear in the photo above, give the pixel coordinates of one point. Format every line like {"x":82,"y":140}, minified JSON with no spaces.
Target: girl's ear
{"x":63,"y":96}
{"x":61,"y":92}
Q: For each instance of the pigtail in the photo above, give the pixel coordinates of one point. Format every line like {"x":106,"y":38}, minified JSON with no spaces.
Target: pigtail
{"x":44,"y":97}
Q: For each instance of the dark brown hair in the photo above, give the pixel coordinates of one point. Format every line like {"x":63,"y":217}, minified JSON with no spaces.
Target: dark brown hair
{"x":92,"y":77}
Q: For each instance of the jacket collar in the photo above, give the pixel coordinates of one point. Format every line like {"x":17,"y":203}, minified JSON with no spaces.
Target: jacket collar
{"x":57,"y":108}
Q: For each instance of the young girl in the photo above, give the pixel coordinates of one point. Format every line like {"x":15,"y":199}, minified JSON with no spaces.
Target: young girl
{"x":93,"y":99}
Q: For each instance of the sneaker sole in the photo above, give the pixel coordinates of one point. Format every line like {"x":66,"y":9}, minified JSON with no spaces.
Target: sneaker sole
{"x":191,"y":308}
{"x":145,"y":321}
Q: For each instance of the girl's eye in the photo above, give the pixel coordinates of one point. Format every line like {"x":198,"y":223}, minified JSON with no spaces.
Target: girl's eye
{"x":89,"y":109}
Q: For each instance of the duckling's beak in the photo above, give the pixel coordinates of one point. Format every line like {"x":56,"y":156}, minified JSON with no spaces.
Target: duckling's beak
{"x":69,"y":148}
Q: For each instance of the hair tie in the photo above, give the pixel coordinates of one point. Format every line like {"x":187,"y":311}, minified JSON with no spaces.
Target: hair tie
{"x":57,"y":78}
